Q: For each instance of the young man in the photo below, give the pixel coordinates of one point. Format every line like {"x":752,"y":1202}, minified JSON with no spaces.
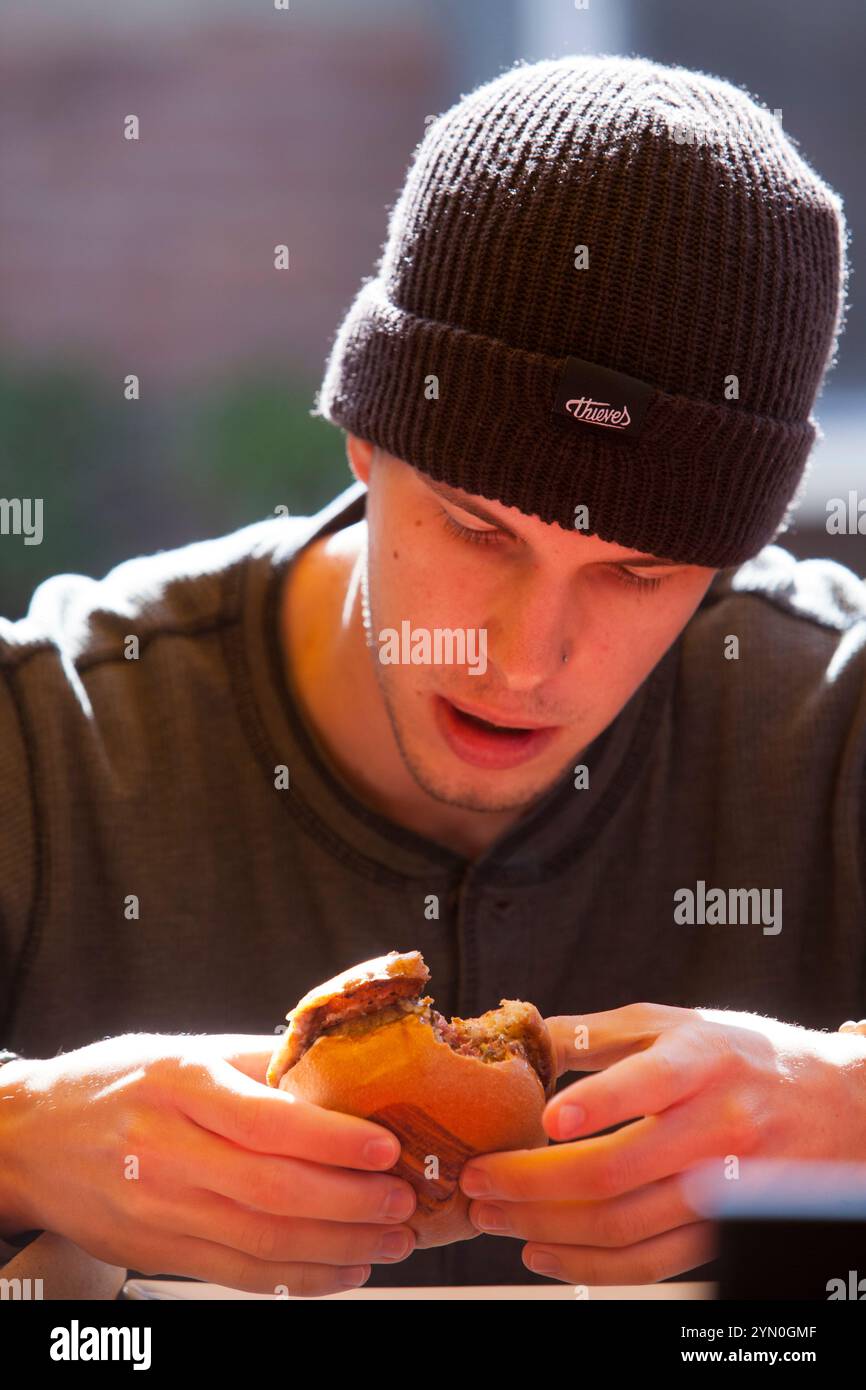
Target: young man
{"x":577,"y":399}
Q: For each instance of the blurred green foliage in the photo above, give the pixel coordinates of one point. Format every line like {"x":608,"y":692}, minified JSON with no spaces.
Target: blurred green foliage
{"x":254,"y":445}
{"x":121,"y":478}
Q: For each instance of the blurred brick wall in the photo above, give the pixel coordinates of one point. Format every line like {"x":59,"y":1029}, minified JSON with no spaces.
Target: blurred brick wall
{"x":156,"y":256}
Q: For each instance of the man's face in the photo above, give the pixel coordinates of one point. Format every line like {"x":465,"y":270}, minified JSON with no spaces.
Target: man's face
{"x":531,"y":591}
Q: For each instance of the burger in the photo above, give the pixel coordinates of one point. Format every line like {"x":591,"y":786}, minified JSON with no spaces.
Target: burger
{"x":368,"y":1043}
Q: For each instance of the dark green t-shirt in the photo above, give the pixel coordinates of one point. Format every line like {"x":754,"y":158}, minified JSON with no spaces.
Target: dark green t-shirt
{"x":155,"y":777}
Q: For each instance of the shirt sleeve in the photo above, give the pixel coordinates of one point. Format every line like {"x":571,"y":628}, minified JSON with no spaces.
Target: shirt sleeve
{"x":17,"y":839}
{"x":10,"y":1246}
{"x":7,"y":1252}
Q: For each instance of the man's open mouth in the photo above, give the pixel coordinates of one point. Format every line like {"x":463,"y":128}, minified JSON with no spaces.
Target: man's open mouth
{"x":486,"y":724}
{"x":487,"y":743}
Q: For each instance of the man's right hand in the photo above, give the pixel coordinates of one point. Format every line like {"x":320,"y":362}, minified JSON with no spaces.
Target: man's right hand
{"x":170,"y":1155}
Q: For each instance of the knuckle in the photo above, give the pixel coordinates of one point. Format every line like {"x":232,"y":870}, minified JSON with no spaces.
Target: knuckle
{"x":638,"y":1013}
{"x":689,"y":1018}
{"x":308,"y":1281}
{"x":143,"y":1162}
{"x":693,"y":1031}
{"x":742,"y":1120}
{"x":136,"y":1135}
{"x":163,"y":1073}
{"x":731,"y":1060}
{"x":164,"y":1065}
{"x":618,"y":1226}
{"x":189,"y":1071}
{"x":666,"y":1068}
{"x":650,"y":1266}
{"x":242,"y":1272}
{"x":260,"y":1239}
{"x":724,"y":1054}
{"x":246,"y":1114}
{"x":267,"y":1187}
{"x":612,"y":1177}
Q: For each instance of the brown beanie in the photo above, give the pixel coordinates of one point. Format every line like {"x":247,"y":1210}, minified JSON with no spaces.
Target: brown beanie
{"x":606,"y":284}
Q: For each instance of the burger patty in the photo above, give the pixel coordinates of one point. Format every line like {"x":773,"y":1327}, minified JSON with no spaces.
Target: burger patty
{"x":514,"y":1029}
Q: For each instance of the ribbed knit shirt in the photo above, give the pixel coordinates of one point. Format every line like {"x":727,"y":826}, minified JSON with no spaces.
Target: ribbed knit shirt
{"x":156,"y":777}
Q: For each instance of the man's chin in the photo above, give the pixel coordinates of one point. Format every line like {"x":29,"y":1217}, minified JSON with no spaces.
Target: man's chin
{"x":445,"y":777}
{"x":449,"y":792}
{"x":474,"y":789}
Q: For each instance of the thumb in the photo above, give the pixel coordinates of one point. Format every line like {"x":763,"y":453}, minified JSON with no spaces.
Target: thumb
{"x":590,"y":1042}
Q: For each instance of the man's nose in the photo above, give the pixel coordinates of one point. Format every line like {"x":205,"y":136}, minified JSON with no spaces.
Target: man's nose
{"x":528,"y":634}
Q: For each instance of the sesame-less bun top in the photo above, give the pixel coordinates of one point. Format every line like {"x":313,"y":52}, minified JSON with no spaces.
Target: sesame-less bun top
{"x":373,"y":984}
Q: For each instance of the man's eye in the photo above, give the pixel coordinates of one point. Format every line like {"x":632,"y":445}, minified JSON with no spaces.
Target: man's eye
{"x":492,"y":537}
{"x":625,"y":576}
{"x":467,"y":533}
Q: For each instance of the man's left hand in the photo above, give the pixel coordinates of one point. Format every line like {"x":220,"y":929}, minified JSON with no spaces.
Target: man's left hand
{"x":697,"y":1084}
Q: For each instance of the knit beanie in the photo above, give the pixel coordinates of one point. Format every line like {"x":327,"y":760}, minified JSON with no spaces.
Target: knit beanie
{"x":608,"y":297}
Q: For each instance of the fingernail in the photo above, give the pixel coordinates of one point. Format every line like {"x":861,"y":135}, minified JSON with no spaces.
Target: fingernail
{"x":475,"y":1183}
{"x":490,"y":1218}
{"x":569,"y":1119}
{"x":380,"y":1152}
{"x":399,"y":1205}
{"x":543,"y":1263}
{"x":395,"y":1243}
{"x":352,"y":1278}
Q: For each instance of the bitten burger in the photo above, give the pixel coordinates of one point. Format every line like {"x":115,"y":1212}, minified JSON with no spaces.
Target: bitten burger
{"x":368,"y":1043}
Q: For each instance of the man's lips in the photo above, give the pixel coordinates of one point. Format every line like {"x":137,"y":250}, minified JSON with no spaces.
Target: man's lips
{"x":495,"y":749}
{"x":500,"y":720}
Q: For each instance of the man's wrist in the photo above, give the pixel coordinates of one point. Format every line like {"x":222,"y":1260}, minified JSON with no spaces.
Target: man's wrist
{"x":17,"y":1219}
{"x":853,"y":1065}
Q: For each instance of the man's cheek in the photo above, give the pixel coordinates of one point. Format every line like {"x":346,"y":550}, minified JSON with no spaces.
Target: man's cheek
{"x":412,"y":587}
{"x":615,"y":655}
{"x":432,"y":599}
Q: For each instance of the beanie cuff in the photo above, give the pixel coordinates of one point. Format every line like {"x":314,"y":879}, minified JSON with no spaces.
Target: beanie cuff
{"x":703,"y":484}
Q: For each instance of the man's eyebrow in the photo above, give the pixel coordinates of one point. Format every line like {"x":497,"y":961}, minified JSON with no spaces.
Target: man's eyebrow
{"x":474,"y":509}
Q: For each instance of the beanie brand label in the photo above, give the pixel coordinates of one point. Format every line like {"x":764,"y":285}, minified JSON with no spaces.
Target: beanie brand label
{"x":601,"y":398}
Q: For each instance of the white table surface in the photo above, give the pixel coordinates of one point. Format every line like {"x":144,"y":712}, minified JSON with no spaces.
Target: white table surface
{"x":179,"y":1289}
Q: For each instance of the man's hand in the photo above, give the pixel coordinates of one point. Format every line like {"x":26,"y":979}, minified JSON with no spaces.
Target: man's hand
{"x":169,"y":1155}
{"x":697,"y":1084}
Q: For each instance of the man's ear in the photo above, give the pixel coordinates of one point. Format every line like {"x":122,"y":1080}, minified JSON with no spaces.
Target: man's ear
{"x":360,"y":453}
